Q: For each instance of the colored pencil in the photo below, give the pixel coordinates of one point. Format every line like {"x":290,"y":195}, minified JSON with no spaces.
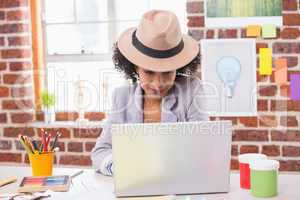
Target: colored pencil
{"x":55,"y":140}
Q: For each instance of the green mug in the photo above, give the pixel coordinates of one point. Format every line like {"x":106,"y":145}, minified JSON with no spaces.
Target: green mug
{"x":264,"y":178}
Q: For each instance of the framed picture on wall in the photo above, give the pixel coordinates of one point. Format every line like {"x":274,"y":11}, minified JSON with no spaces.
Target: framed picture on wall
{"x":240,"y":13}
{"x":228,"y":69}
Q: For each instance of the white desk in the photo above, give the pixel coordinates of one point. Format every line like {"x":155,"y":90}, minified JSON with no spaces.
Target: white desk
{"x":90,"y":185}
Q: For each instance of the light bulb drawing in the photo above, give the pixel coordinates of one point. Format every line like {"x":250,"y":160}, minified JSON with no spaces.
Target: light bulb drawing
{"x":229,"y":71}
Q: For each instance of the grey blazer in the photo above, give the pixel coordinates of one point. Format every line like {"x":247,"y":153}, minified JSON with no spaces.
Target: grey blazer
{"x":184,"y":102}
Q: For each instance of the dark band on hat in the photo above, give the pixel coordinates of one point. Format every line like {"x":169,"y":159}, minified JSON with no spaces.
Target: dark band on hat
{"x":154,"y":52}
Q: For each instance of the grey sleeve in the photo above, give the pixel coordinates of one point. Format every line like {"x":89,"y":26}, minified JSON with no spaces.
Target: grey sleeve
{"x":101,"y":154}
{"x":196,"y":110}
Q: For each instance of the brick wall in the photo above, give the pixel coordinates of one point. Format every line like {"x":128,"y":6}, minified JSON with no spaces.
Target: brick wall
{"x":275,"y":131}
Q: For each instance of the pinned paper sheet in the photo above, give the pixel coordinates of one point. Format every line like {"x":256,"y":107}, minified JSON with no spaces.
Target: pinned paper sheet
{"x":281,"y":70}
{"x":295,"y":86}
{"x":269,"y":31}
{"x":253,"y":31}
{"x":265,"y":61}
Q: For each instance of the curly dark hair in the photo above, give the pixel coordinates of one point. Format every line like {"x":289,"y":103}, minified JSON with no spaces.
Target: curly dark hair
{"x":123,"y":65}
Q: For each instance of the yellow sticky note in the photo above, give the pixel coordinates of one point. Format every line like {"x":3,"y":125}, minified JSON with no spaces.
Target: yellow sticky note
{"x":269,"y":31}
{"x":265,"y":61}
{"x":253,"y":31}
{"x":281,"y":70}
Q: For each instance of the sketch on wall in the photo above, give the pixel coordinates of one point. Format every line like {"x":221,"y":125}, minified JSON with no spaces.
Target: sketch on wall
{"x":228,"y":69}
{"x":238,"y":13}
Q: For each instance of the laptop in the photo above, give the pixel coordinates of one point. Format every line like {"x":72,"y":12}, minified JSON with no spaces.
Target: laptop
{"x":171,"y":158}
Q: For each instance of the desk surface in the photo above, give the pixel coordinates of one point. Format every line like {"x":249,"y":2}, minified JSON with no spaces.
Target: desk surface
{"x":90,"y":185}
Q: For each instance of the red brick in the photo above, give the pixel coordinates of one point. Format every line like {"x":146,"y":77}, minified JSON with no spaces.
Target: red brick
{"x":234,"y":150}
{"x":227,"y":33}
{"x":17,"y":104}
{"x":285,"y":135}
{"x":268,"y":121}
{"x":20,"y":66}
{"x":61,"y":146}
{"x":289,"y":5}
{"x":75,"y":147}
{"x":249,"y":149}
{"x":269,"y":90}
{"x":250,"y":135}
{"x":3,"y":66}
{"x":66,"y":116}
{"x":196,"y":34}
{"x":89,"y":146}
{"x":285,"y":105}
{"x":87,"y":133}
{"x":285,"y":90}
{"x":16,"y":15}
{"x":248,"y":121}
{"x":195,"y":21}
{"x":5,"y":145}
{"x":13,"y":3}
{"x":65,"y":132}
{"x":244,"y":33}
{"x":21,"y":117}
{"x":94,"y":116}
{"x":18,"y":41}
{"x":288,"y":121}
{"x":271,"y":150}
{"x":290,"y":33}
{"x":234,"y":120}
{"x":291,"y":19}
{"x":14,"y":28}
{"x":261,"y":78}
{"x":15,"y":131}
{"x":3,"y":118}
{"x":75,"y":160}
{"x":2,"y":42}
{"x":234,"y":164}
{"x":2,"y":15}
{"x":291,"y":151}
{"x":195,"y":7}
{"x":289,"y":165}
{"x":286,"y":47}
{"x":210,"y":34}
{"x":21,"y":91}
{"x":10,"y":157}
{"x":292,"y":61}
{"x":262,"y":105}
{"x":16,"y":53}
{"x":4,"y":91}
{"x":17,"y":78}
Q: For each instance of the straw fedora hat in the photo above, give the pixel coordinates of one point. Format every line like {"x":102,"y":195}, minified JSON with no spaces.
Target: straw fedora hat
{"x":157,"y":43}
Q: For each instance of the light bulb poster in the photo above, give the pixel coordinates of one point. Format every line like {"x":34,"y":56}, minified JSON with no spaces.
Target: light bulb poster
{"x":228,"y":69}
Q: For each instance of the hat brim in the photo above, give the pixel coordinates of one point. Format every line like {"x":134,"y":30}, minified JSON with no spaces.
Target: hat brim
{"x":186,"y":55}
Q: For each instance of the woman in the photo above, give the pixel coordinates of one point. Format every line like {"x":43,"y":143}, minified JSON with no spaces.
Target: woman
{"x":160,"y":61}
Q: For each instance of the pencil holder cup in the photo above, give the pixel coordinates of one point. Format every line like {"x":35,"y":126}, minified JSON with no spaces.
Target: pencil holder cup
{"x":41,"y":164}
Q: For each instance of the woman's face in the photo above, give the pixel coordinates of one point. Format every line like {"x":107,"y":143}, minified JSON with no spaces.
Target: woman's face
{"x":156,"y":83}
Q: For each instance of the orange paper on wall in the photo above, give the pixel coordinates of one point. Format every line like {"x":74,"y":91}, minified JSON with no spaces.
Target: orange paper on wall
{"x":253,"y":31}
{"x":281,"y":70}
